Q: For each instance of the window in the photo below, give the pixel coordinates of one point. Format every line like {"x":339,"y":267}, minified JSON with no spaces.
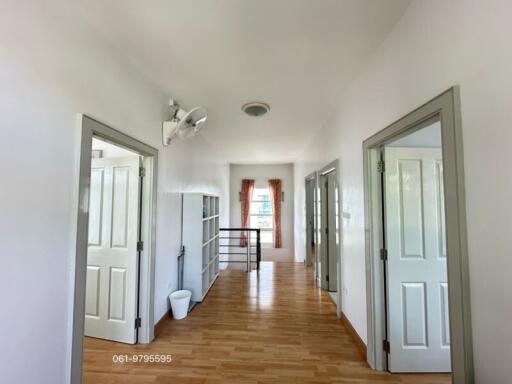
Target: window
{"x":261,"y":215}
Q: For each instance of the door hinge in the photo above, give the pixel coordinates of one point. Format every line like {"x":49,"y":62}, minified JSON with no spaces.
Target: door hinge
{"x":138,"y":322}
{"x":140,"y":246}
{"x":386,"y":346}
{"x":142,"y":171}
{"x":326,"y":231}
{"x":327,"y":278}
{"x":381,"y":166}
{"x":384,"y":254}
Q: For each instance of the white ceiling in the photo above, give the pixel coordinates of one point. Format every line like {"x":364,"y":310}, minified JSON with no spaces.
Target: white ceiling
{"x":296,"y":55}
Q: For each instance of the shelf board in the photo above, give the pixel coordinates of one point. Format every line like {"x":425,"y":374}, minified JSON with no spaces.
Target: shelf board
{"x":208,"y":241}
{"x":210,"y":284}
{"x":214,"y":258}
{"x":213,"y":280}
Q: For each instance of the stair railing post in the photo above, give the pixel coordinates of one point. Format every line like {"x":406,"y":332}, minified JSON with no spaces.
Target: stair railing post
{"x":258,"y":249}
{"x":248,"y":251}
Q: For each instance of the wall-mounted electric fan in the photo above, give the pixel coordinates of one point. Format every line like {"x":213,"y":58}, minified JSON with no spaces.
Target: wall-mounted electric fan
{"x":182,"y":124}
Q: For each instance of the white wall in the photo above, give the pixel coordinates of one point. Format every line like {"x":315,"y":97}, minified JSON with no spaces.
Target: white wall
{"x":187,"y":166}
{"x":52,"y":66}
{"x":437,"y":44}
{"x":261,"y":173}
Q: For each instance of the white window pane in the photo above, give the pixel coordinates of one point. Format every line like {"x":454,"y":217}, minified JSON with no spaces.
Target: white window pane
{"x":261,"y":215}
{"x":261,"y":208}
{"x":261,"y":194}
{"x":262,"y":222}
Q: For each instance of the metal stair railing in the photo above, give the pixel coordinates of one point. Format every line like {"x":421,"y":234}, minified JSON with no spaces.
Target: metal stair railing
{"x":231,"y":238}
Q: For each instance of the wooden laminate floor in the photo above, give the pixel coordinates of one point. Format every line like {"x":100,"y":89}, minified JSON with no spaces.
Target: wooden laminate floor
{"x":268,"y":327}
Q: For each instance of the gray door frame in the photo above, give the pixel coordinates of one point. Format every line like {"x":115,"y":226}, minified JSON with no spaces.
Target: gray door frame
{"x":92,"y":128}
{"x":447,"y":107}
{"x":333,"y":166}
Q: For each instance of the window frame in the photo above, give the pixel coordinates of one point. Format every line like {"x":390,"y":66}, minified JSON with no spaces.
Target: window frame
{"x":271,"y":215}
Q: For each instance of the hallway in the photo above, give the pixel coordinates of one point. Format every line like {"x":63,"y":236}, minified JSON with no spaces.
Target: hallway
{"x":271,"y":327}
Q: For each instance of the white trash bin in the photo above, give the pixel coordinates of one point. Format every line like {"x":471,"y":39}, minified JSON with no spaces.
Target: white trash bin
{"x":179,"y":303}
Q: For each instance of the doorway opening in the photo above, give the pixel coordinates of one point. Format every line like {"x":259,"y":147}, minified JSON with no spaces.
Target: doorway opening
{"x":417,"y":277}
{"x":115,"y":243}
{"x":311,"y":222}
{"x":329,"y":231}
{"x":114,"y":266}
{"x":414,"y":252}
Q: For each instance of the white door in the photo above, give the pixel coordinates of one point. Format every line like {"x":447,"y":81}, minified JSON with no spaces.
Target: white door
{"x":310,"y":222}
{"x":329,"y":231}
{"x":418,"y":322}
{"x":323,"y":239}
{"x":333,"y":225}
{"x":112,"y":260}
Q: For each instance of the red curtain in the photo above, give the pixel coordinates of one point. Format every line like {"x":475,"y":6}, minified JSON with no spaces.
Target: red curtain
{"x":246,"y":198}
{"x":275,"y":194}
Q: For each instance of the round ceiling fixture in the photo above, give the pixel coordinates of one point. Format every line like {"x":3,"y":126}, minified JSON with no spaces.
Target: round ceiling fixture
{"x":255,"y":108}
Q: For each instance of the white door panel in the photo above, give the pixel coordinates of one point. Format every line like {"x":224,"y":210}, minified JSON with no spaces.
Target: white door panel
{"x":418,"y":322}
{"x":95,"y":206}
{"x":92,"y":302}
{"x":111,"y":287}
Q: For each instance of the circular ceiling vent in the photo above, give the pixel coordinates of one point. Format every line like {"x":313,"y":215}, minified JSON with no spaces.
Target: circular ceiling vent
{"x":255,"y":108}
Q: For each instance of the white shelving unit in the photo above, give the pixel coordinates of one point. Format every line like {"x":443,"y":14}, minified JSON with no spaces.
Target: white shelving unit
{"x":201,"y":241}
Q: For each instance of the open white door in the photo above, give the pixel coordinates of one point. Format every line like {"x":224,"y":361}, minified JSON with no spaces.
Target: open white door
{"x":330,"y":230}
{"x":310,"y":222}
{"x":323,"y":238}
{"x":418,"y":322}
{"x":112,"y":261}
{"x":333,"y":225}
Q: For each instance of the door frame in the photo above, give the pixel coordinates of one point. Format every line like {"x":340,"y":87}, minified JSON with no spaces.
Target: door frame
{"x":447,"y":108}
{"x":311,"y":178}
{"x":334,"y":166}
{"x":92,"y":128}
